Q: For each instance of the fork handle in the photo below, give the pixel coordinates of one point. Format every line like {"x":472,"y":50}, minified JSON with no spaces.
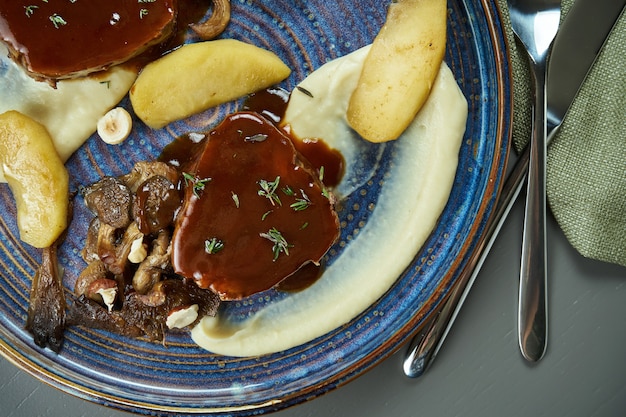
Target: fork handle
{"x":532,"y":313}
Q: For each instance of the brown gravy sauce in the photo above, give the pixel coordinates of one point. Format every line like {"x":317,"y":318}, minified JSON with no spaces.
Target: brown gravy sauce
{"x":272,"y":104}
{"x":328,"y":163}
{"x":59,"y":38}
{"x":237,"y":236}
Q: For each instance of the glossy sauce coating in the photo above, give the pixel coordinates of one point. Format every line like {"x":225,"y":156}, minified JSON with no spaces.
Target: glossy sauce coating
{"x":156,"y":203}
{"x":254,"y":212}
{"x":328,"y":162}
{"x":60,"y":38}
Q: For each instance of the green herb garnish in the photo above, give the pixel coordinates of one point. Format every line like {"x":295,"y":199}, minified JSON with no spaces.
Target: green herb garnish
{"x":213,"y":246}
{"x":301,"y":203}
{"x":198,"y":184}
{"x":259,"y":137}
{"x":268,"y":190}
{"x":304,"y":91}
{"x":235,"y":198}
{"x":280,"y":244}
{"x":267,"y":213}
{"x":57,"y":21}
{"x":30,"y":10}
{"x":288,"y":191}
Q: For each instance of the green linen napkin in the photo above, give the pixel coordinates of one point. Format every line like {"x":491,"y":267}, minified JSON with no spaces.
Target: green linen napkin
{"x":586,"y":173}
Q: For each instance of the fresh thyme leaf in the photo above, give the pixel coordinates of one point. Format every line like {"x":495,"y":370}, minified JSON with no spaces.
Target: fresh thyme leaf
{"x":304,"y":225}
{"x":301,"y":203}
{"x":235,"y":198}
{"x":259,"y":137}
{"x":267,"y":213}
{"x":57,"y":21}
{"x":107,"y":83}
{"x":268,"y":190}
{"x":304,"y":91}
{"x":142,"y":13}
{"x":213,"y":246}
{"x":280,"y":243}
{"x":288,"y":191}
{"x":325,"y":192}
{"x":188,"y":177}
{"x":30,"y":10}
{"x":197,"y":184}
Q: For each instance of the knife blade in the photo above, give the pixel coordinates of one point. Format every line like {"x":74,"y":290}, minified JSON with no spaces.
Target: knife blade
{"x":578,"y":42}
{"x":582,"y":35}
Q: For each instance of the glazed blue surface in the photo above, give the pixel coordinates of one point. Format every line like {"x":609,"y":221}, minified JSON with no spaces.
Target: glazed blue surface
{"x":182,"y":379}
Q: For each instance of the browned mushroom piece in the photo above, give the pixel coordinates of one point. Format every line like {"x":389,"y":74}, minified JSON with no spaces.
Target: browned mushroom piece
{"x":105,"y":247}
{"x":149,"y":312}
{"x":110,"y":200}
{"x":145,"y":169}
{"x":95,"y":270}
{"x":216,"y":23}
{"x":155,"y":205}
{"x":117,"y":261}
{"x":125,"y":289}
{"x":46,"y":310}
{"x":98,"y":284}
{"x":89,"y":253}
{"x":144,"y":314}
{"x":85,"y":312}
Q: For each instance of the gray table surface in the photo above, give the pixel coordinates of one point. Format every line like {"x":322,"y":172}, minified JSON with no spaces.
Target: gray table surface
{"x":479,"y":371}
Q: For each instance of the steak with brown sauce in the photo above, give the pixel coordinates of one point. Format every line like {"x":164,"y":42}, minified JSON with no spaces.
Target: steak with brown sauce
{"x":66,"y":39}
{"x":255,"y":211}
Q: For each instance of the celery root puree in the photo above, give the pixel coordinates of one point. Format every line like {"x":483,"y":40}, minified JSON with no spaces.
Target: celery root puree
{"x":410,"y":202}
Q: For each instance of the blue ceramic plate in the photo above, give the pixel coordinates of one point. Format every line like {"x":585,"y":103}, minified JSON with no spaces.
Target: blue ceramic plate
{"x":182,"y":379}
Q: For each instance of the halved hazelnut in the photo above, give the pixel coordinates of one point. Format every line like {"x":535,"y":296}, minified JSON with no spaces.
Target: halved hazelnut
{"x":103,"y":290}
{"x":138,"y":251}
{"x":180,"y":317}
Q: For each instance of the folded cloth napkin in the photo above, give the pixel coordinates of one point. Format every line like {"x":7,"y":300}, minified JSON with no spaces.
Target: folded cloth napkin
{"x":586,"y":173}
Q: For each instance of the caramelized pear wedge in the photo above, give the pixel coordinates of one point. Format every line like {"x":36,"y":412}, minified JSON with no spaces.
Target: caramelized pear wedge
{"x":202,"y":75}
{"x":399,"y":70}
{"x":37,"y":178}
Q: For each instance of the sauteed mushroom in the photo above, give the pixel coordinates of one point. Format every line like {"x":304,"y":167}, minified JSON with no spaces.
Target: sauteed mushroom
{"x":215,"y":24}
{"x":135,"y":297}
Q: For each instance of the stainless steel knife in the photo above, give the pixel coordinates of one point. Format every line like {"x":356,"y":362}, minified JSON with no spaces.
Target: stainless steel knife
{"x":577,"y":44}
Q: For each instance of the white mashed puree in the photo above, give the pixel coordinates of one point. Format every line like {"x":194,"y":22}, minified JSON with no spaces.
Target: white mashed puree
{"x":410,"y":203}
{"x":89,"y":98}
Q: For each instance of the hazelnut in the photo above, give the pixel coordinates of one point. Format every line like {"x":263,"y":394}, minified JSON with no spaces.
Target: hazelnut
{"x":180,"y":317}
{"x":103,"y":290}
{"x":138,"y":251}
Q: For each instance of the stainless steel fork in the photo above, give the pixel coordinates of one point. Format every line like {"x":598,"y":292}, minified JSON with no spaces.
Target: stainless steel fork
{"x":535,"y":23}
